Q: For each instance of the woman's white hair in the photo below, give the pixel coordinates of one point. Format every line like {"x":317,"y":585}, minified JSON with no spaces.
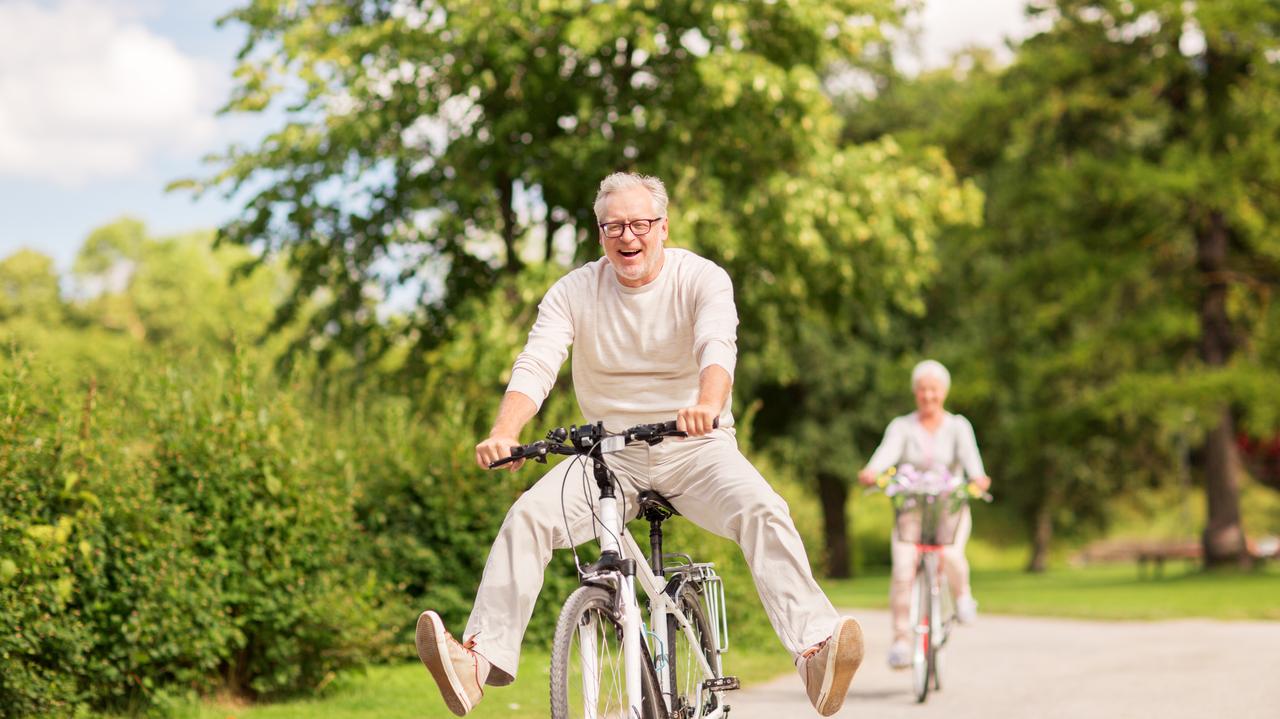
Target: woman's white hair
{"x":931,"y":368}
{"x":619,"y":181}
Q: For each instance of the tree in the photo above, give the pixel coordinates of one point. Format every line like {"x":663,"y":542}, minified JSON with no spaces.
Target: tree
{"x":431,"y":147}
{"x":175,"y":290}
{"x":1131,"y":183}
{"x":29,"y":288}
{"x":831,"y":263}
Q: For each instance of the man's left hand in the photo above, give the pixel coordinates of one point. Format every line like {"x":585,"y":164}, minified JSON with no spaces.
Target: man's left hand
{"x":697,"y":420}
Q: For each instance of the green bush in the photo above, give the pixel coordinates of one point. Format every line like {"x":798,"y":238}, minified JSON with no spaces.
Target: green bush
{"x":42,"y":522}
{"x":175,"y":531}
{"x":270,"y":527}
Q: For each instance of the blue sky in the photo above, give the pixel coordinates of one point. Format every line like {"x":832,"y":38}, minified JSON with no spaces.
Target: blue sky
{"x":104,"y":102}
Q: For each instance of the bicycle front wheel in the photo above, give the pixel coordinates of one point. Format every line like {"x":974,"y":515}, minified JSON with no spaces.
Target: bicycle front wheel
{"x":685,"y":671}
{"x":922,"y":624}
{"x":944,"y":613}
{"x":588,"y":674}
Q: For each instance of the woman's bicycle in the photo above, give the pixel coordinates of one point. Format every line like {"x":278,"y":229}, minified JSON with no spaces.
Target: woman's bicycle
{"x":606,"y":661}
{"x":927,"y":511}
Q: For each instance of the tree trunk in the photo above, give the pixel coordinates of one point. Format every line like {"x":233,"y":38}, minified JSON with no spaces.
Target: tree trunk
{"x":1041,"y":537}
{"x":1223,"y":539}
{"x":834,"y":494}
{"x":553,"y":226}
{"x":506,"y":198}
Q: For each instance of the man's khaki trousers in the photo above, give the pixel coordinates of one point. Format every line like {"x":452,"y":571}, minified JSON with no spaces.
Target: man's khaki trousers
{"x":707,"y":480}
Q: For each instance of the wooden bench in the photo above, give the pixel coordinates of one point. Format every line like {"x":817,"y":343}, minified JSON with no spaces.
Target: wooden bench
{"x":1150,"y":554}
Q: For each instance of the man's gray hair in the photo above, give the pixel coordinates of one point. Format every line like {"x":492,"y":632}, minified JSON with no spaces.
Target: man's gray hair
{"x":619,"y":181}
{"x":931,"y":368}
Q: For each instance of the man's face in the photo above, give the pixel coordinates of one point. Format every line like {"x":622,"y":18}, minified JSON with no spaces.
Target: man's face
{"x":636,"y":259}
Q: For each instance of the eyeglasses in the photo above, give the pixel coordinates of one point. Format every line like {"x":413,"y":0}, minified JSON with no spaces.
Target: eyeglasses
{"x":614,"y":230}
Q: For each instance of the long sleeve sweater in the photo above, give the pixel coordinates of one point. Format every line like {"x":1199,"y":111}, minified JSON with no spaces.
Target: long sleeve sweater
{"x":637,"y":351}
{"x":951,"y":445}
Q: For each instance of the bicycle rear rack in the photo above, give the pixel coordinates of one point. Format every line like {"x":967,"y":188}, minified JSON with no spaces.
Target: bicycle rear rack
{"x":704,"y":575}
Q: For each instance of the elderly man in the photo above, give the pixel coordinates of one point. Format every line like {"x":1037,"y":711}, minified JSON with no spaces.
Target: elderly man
{"x":654,"y":336}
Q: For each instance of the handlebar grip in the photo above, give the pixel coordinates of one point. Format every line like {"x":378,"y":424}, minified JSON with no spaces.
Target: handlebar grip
{"x":517,"y":452}
{"x":671,"y":426}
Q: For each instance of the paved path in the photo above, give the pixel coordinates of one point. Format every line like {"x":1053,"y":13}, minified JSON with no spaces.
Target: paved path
{"x":1049,"y":668}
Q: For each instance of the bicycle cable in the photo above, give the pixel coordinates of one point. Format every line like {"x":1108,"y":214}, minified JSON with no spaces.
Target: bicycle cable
{"x":564,"y":510}
{"x":581,"y":459}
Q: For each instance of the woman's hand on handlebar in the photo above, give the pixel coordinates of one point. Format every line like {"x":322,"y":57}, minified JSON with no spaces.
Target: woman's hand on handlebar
{"x":497,"y":447}
{"x":698,"y":420}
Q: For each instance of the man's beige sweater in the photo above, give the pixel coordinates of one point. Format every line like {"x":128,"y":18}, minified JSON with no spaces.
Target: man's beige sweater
{"x":637,"y":351}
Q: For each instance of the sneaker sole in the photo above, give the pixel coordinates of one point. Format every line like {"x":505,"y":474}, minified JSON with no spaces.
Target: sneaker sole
{"x":846,"y":656}
{"x":430,"y":639}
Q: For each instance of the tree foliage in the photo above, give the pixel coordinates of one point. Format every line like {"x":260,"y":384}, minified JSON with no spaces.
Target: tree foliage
{"x":1120,"y":292}
{"x":431,"y":146}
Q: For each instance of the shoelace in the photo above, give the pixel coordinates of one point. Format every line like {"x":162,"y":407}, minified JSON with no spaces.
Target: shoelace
{"x":808,"y":653}
{"x":470,"y":645}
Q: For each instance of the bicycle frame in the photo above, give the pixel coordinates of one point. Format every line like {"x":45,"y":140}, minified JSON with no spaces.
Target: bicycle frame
{"x":620,"y":566}
{"x":661,"y":607}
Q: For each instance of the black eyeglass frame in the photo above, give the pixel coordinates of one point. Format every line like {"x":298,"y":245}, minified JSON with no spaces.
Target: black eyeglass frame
{"x":629,"y":224}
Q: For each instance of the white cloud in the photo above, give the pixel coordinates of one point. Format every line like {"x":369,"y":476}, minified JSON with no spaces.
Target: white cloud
{"x":88,"y":92}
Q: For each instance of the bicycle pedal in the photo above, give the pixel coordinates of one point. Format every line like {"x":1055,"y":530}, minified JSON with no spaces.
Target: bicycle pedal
{"x":722,"y":684}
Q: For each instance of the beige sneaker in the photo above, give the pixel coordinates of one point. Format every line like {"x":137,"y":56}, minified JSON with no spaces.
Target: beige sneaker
{"x":454,"y":666}
{"x":829,"y":666}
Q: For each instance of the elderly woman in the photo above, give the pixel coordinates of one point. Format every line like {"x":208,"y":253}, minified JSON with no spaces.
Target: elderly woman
{"x":928,"y":437}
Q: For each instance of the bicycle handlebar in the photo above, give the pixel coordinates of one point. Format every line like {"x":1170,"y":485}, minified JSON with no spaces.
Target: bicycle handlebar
{"x":590,"y":438}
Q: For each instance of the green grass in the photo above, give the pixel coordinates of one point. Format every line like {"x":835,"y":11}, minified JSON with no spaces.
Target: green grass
{"x":406,"y":691}
{"x":1102,"y":592}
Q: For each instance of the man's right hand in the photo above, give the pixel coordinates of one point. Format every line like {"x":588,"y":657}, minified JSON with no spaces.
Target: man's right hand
{"x":497,"y":447}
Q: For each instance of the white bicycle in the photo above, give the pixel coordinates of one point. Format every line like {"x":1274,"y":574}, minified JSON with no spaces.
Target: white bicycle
{"x":606,"y":661}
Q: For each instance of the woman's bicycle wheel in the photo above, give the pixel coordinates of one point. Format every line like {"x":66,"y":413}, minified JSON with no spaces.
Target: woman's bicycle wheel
{"x":685,"y":672}
{"x":588,"y":675}
{"x":922,"y":622}
{"x":944,"y":613}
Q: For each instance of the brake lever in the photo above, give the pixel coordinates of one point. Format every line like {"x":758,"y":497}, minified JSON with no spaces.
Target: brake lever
{"x":536,"y":451}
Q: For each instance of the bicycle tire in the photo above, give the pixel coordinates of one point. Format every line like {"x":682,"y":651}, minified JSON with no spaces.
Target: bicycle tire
{"x":922,"y":624}
{"x":684,"y":672}
{"x":936,"y":637}
{"x":592,"y":608}
{"x":946,"y":616}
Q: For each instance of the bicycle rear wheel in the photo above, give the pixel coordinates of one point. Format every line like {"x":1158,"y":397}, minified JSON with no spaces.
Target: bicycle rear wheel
{"x":588,"y":675}
{"x":922,"y":655}
{"x":685,"y":671}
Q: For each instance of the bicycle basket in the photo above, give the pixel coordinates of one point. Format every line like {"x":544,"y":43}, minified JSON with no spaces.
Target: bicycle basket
{"x":928,"y":519}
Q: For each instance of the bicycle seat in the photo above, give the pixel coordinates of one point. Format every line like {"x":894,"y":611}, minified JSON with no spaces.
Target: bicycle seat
{"x":655,"y":507}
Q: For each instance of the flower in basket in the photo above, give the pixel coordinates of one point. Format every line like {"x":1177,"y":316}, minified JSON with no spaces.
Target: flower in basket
{"x":935,"y":480}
